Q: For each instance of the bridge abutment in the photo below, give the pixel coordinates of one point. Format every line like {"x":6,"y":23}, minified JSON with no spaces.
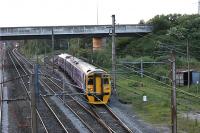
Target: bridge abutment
{"x":97,"y":43}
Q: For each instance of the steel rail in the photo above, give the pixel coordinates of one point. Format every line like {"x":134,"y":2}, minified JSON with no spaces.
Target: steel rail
{"x":17,"y":59}
{"x":111,"y":112}
{"x":53,"y":112}
{"x":22,"y":59}
{"x":73,"y":100}
{"x":45,"y":128}
{"x":71,"y":110}
{"x":121,"y":123}
{"x":117,"y":118}
{"x":99,"y":119}
{"x":26,"y":90}
{"x":29,"y":95}
{"x":9,"y":80}
{"x":16,"y":54}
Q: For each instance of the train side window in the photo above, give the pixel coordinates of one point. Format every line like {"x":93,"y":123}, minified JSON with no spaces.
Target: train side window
{"x":105,"y":81}
{"x":90,"y":81}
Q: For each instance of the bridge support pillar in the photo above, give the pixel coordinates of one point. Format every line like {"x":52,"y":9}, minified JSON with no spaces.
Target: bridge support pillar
{"x":97,"y":43}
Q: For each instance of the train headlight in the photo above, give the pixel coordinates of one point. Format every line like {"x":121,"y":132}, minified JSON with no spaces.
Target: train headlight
{"x":90,"y":89}
{"x":106,"y":88}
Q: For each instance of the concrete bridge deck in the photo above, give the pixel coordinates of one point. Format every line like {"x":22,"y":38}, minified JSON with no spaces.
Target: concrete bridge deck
{"x":14,"y":33}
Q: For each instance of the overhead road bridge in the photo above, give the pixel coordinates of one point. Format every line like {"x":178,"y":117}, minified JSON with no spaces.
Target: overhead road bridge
{"x":45,"y":32}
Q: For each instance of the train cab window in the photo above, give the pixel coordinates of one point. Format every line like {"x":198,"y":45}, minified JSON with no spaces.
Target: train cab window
{"x":90,"y":81}
{"x":105,"y":81}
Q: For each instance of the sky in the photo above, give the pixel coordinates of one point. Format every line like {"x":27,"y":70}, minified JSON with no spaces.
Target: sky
{"x":84,"y":12}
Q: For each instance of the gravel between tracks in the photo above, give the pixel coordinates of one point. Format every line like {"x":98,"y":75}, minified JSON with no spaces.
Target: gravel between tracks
{"x":93,"y":123}
{"x":75,"y":121}
{"x":67,"y":112}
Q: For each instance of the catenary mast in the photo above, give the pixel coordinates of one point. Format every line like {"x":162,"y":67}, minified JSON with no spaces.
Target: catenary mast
{"x":199,"y":7}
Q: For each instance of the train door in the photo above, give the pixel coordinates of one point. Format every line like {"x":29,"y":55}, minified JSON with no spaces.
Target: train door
{"x":98,"y":85}
{"x":90,"y":84}
{"x":98,"y":88}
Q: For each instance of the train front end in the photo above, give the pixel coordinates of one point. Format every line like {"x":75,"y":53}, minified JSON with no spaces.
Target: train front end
{"x":98,"y":87}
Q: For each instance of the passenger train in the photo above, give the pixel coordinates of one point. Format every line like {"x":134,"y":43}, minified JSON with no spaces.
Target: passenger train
{"x":95,"y":82}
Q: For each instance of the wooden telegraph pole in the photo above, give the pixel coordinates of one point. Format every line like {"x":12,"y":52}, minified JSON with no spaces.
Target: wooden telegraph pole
{"x":188,"y":63}
{"x":173,"y":93}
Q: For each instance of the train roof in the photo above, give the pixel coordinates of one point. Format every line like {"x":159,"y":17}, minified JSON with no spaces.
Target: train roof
{"x":80,"y":64}
{"x":64,"y":55}
{"x":84,"y":66}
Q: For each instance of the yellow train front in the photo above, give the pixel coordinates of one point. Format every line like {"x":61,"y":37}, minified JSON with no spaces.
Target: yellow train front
{"x":93,"y":81}
{"x":98,"y":87}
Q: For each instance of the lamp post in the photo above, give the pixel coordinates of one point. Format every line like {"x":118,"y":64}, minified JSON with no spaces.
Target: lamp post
{"x":113,"y":53}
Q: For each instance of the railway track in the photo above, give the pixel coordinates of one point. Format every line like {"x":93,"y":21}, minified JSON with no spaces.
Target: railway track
{"x":50,"y":117}
{"x":96,"y":118}
{"x":93,"y":123}
{"x":18,"y":96}
{"x":20,"y":71}
{"x":75,"y":107}
{"x":105,"y":113}
{"x":108,"y":117}
{"x":46,"y":114}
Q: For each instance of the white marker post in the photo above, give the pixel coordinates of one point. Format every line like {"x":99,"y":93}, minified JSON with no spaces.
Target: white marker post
{"x":144,"y":98}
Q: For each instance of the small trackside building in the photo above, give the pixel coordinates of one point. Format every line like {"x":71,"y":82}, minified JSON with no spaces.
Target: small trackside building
{"x":182,"y":77}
